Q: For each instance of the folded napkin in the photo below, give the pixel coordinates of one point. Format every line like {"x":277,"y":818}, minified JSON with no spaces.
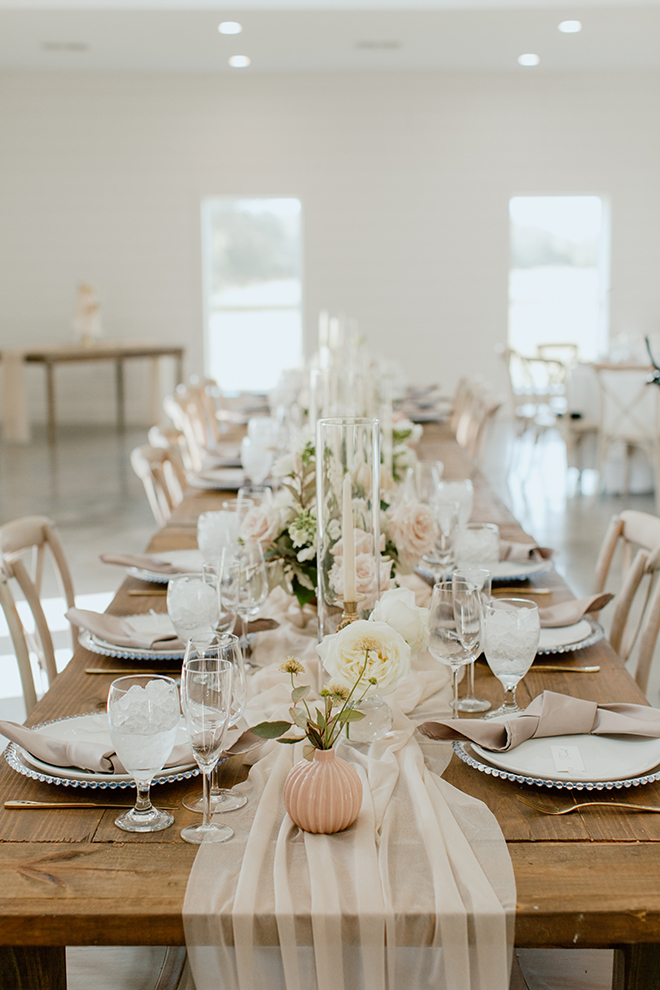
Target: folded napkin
{"x":85,"y":754}
{"x":550,"y":714}
{"x":145,"y":561}
{"x":568,"y":613}
{"x":97,"y":758}
{"x":523,"y":552}
{"x":117,"y":631}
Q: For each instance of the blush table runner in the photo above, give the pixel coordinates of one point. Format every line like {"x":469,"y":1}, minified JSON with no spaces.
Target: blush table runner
{"x":417,"y":893}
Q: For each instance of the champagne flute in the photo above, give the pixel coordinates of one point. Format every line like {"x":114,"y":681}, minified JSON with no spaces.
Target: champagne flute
{"x":206,"y":696}
{"x":194,"y":607}
{"x":480,"y":579}
{"x":215,"y":573}
{"x":221,"y":798}
{"x":247,"y":588}
{"x":441,"y":558}
{"x":511,"y":638}
{"x":454,"y":627}
{"x":143,"y":717}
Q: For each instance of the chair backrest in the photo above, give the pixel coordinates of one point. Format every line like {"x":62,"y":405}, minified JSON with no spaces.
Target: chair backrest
{"x":479,"y":408}
{"x":184,"y":413}
{"x":636,"y":615}
{"x":202,"y":392}
{"x":163,"y":477}
{"x":36,"y":535}
{"x":567,"y":353}
{"x":629,"y":407}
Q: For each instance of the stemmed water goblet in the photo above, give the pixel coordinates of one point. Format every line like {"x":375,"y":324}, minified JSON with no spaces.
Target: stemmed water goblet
{"x":221,"y":798}
{"x":257,"y":457}
{"x":206,"y":698}
{"x":441,"y":558}
{"x":511,"y":638}
{"x":246,"y":589}
{"x":457,"y":491}
{"x":478,"y":543}
{"x":220,"y":530}
{"x":454,"y":625}
{"x":193,"y":605}
{"x":480,"y":579}
{"x":143,"y":718}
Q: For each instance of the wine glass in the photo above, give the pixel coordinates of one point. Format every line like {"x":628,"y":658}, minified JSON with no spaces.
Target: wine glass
{"x":458,"y":491}
{"x":143,"y":716}
{"x":193,"y":605}
{"x":480,"y":579}
{"x":247,"y":587}
{"x":221,"y":798}
{"x":441,"y":558}
{"x":255,"y":495}
{"x":478,"y":543}
{"x":511,"y":638}
{"x":454,"y":626}
{"x":206,"y":697}
{"x":257,"y":459}
{"x":216,"y":573}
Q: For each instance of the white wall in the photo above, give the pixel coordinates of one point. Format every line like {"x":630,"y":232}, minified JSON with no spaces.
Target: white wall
{"x":405,"y":180}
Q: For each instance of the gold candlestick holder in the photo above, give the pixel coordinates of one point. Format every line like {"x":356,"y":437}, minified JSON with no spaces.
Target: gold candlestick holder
{"x":350,"y":612}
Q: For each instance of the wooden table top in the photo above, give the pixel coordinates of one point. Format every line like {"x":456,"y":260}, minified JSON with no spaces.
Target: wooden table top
{"x":71,"y":877}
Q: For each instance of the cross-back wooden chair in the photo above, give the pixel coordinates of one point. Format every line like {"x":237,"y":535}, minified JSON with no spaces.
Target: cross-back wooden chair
{"x":36,"y":535}
{"x":164,"y":478}
{"x":480,"y":406}
{"x":636,"y":615}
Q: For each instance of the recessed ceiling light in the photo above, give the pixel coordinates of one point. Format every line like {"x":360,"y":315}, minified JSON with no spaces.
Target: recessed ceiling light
{"x":230,"y":27}
{"x":239,"y":61}
{"x":528,"y":59}
{"x":570,"y":27}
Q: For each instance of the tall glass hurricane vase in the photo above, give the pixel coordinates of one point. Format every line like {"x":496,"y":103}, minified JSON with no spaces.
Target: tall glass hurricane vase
{"x":350,"y":568}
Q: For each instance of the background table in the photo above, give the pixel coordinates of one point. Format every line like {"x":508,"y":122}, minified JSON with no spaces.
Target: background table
{"x":52,"y":354}
{"x":590,"y":879}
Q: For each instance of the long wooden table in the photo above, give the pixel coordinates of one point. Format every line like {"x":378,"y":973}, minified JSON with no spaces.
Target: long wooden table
{"x":72,"y":878}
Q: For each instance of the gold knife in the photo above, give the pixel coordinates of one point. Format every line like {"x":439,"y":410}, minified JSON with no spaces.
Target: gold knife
{"x":524,"y":591}
{"x":131,"y":670}
{"x":569,"y":670}
{"x":27,"y":805}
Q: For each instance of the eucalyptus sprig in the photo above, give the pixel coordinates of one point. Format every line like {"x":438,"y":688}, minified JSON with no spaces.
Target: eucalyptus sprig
{"x":322,"y":726}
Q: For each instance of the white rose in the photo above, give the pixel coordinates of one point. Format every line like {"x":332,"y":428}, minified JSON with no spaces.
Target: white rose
{"x":398,"y":609}
{"x":365,"y":577}
{"x":260,"y":525}
{"x":284,"y":466}
{"x":412,"y":529}
{"x":387,"y":656}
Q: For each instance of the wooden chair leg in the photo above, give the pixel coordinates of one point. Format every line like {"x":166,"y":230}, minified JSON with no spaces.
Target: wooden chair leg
{"x":172,"y":969}
{"x":32,"y":967}
{"x":636,"y":967}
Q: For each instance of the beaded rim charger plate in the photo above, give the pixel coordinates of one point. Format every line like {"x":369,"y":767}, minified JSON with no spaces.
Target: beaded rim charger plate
{"x":89,"y":726}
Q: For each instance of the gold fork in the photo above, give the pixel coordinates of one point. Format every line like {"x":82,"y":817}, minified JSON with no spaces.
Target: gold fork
{"x":588,"y":804}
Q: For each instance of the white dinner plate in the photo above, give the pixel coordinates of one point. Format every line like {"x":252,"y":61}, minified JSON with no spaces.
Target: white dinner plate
{"x":516,"y":570}
{"x":222,"y":479}
{"x":186,"y":560}
{"x":567,"y":639}
{"x":92,"y":727}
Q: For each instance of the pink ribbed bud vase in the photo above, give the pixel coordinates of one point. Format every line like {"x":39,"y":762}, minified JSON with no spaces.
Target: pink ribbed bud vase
{"x":323,"y":794}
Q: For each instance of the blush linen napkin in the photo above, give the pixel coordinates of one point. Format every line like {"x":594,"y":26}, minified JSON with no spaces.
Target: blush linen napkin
{"x":419,"y":891}
{"x":549,"y":714}
{"x":114,"y":629}
{"x":524,"y":552}
{"x":145,"y":561}
{"x":570,"y":612}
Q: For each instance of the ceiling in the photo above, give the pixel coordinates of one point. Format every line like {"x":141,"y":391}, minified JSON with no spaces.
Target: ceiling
{"x":327,"y":36}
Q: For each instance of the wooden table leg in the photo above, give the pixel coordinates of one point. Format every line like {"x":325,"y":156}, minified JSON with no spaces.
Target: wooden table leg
{"x":50,"y":390}
{"x":178,"y":367}
{"x":32,"y":967}
{"x":637,"y":967}
{"x":121,"y":414}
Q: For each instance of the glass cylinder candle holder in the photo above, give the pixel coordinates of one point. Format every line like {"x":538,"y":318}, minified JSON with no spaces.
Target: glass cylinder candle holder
{"x":350,"y":567}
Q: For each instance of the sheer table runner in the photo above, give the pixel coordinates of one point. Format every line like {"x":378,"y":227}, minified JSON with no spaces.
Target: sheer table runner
{"x":417,"y":893}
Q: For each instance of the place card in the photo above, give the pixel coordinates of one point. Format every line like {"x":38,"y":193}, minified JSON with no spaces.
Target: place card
{"x":567,"y":759}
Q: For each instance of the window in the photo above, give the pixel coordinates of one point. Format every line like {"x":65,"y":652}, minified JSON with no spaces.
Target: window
{"x":558,"y":279}
{"x":252,"y":250}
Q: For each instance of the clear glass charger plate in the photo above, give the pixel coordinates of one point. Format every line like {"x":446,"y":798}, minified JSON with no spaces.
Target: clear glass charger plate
{"x":223,"y":479}
{"x":567,"y":639}
{"x":594,"y":762}
{"x":93,"y":726}
{"x":184,"y":560}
